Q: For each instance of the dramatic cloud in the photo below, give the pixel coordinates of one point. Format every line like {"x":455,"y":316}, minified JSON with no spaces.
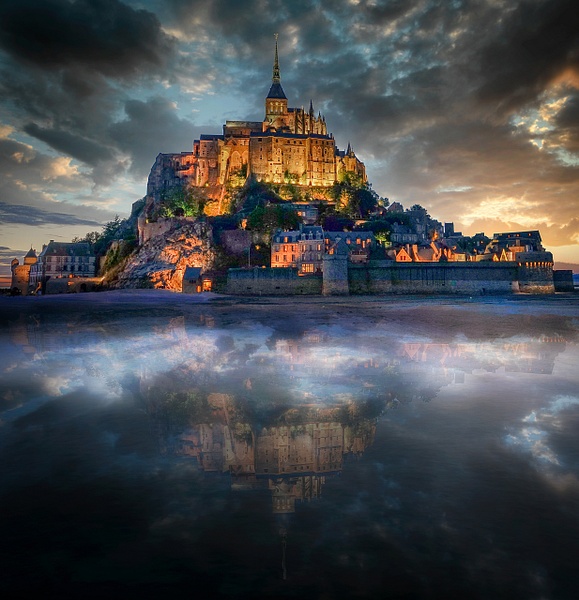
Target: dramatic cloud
{"x":468,"y":108}
{"x":106,"y":36}
{"x":151,"y":127}
{"x":34,"y":216}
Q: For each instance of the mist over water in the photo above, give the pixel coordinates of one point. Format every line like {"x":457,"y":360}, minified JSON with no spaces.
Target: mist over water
{"x":153,"y":445}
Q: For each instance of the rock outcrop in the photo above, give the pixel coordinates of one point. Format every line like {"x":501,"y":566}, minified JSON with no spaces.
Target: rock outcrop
{"x":161,"y":261}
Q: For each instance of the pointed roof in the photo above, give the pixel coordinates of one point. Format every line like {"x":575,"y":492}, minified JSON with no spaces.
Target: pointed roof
{"x":276,"y":91}
{"x":31,"y":253}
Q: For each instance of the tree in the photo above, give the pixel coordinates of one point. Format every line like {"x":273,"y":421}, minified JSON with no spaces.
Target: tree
{"x":92,"y":238}
{"x":266,"y":219}
{"x":354,"y":197}
{"x":183,"y":201}
{"x":254,"y":193}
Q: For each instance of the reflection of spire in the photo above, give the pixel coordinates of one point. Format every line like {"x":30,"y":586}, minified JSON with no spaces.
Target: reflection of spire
{"x":283,"y":534}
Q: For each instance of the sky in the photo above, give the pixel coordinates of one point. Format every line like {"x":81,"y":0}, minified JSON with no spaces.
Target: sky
{"x":467,"y":107}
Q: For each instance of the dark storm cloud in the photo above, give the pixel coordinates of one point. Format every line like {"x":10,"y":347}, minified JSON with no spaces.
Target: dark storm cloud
{"x":151,"y":127}
{"x":566,"y":123}
{"x":30,"y":215}
{"x":530,"y":47}
{"x":105,"y":35}
{"x":85,"y":150}
{"x":75,"y":54}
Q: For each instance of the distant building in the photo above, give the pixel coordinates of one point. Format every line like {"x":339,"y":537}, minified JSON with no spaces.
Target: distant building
{"x":21,"y":283}
{"x":290,"y":145}
{"x":401,"y":234}
{"x":63,"y":259}
{"x":305,"y":248}
{"x":514,"y":242}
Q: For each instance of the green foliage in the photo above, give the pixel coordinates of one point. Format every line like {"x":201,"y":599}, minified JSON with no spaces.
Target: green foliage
{"x":397,"y":217}
{"x":266,"y":219}
{"x":183,"y":201}
{"x":179,"y":409}
{"x":354,"y":197}
{"x":92,"y":238}
{"x":335,"y":222}
{"x":383,"y":237}
{"x":419,"y":208}
{"x":381,"y":229}
{"x":253,"y":194}
{"x":118,"y":252}
{"x":291,"y":177}
{"x":113,"y":230}
{"x":238,"y":177}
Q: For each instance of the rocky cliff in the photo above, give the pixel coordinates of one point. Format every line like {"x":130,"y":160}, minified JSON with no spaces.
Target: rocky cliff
{"x":161,"y":260}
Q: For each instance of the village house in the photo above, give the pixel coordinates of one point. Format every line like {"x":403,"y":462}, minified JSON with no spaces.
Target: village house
{"x":305,"y":248}
{"x":63,"y":260}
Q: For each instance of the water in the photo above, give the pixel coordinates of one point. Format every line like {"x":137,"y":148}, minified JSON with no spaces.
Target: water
{"x":154,"y":445}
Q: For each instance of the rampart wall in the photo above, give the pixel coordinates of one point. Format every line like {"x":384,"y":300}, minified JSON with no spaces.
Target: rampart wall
{"x":272,"y":282}
{"x":387,"y":277}
{"x":563,"y":280}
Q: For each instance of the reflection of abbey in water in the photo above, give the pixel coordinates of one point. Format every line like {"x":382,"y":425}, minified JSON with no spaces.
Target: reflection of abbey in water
{"x":291,"y":460}
{"x":526,"y":356}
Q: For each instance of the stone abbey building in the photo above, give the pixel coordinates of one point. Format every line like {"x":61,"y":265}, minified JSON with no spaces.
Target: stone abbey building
{"x":290,"y":145}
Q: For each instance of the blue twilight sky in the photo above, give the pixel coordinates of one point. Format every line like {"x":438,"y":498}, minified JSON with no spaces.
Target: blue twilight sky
{"x":468,"y":107}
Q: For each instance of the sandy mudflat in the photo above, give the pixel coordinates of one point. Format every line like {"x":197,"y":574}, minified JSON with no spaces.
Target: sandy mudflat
{"x":437,"y":315}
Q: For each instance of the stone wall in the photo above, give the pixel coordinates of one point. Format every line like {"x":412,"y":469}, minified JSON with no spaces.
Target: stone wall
{"x":535,"y":272}
{"x":388,"y":277}
{"x":72,"y":285}
{"x":563,"y":281}
{"x":20,"y":278}
{"x":335,"y":276}
{"x":272,"y":282}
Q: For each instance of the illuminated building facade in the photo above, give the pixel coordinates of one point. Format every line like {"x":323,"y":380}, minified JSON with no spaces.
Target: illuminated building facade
{"x":290,"y":145}
{"x":305,"y":248}
{"x":62,"y":259}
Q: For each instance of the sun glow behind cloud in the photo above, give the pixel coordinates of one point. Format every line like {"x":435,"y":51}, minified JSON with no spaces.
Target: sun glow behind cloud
{"x":518,"y":211}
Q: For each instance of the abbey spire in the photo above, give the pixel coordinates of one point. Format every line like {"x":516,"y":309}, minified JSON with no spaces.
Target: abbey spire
{"x":276,"y":77}
{"x":276,"y":91}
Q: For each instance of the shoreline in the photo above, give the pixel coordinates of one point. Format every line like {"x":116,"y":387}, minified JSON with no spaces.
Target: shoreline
{"x":134,"y":299}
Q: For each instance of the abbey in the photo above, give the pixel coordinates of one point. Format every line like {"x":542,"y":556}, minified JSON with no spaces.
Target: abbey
{"x":290,"y":145}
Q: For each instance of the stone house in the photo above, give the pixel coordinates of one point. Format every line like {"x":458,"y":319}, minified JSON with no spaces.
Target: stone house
{"x":304,"y":249}
{"x":21,"y":283}
{"x":63,"y":260}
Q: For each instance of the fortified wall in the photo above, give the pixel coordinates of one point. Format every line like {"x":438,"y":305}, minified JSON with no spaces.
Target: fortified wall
{"x":389,"y":277}
{"x":272,"y":282}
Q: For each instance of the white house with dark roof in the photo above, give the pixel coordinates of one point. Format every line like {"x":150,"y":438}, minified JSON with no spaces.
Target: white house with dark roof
{"x":63,"y":259}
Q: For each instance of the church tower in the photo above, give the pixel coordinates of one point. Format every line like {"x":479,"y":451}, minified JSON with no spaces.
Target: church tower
{"x":276,"y":101}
